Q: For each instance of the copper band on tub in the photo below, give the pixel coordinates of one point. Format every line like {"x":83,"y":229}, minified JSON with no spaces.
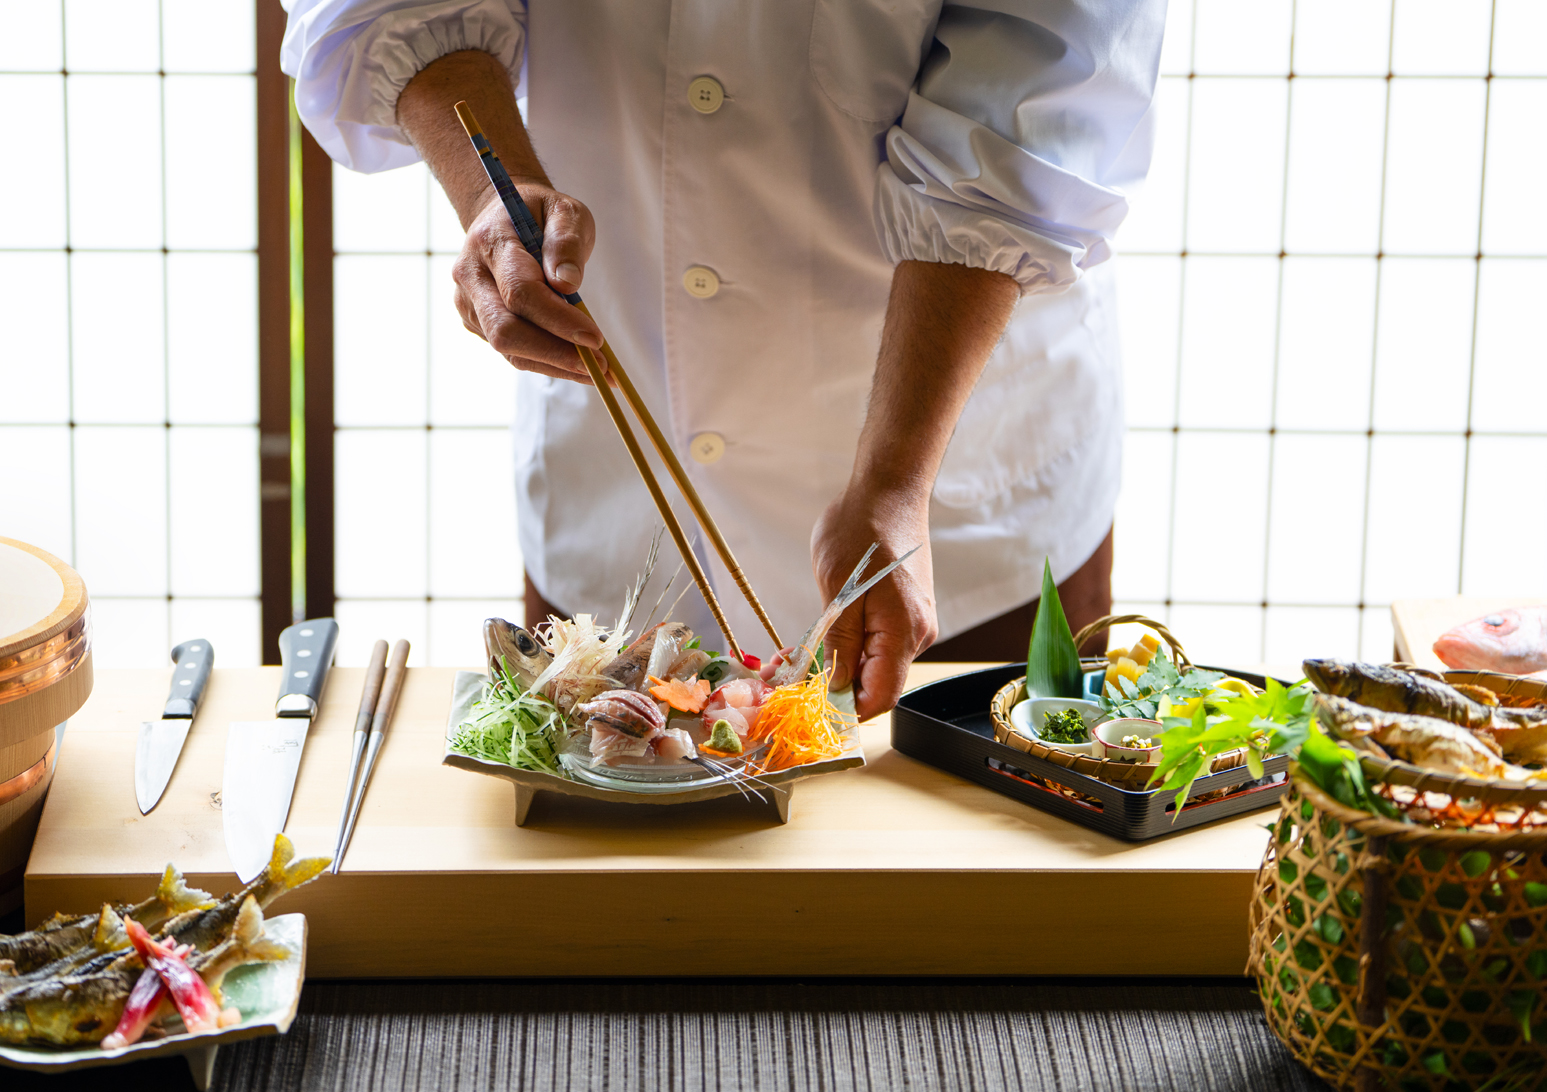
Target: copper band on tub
{"x":44,"y":664}
{"x":28,"y":779}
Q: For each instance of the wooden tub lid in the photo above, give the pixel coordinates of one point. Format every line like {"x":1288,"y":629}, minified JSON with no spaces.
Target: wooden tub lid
{"x":45,"y":641}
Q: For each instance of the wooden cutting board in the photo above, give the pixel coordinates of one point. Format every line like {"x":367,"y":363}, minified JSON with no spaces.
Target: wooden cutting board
{"x":895,"y":868}
{"x":1418,"y":623}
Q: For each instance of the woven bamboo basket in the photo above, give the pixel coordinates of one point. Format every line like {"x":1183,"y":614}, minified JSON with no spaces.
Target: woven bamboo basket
{"x":1394,"y":955}
{"x":1132,"y":775}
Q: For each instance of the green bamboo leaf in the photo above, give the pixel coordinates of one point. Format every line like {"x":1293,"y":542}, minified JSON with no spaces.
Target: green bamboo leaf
{"x":1520,"y":1004}
{"x":1052,"y":660}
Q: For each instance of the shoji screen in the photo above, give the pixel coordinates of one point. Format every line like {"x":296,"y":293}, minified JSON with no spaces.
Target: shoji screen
{"x":128,"y":312}
{"x":1331,"y":293}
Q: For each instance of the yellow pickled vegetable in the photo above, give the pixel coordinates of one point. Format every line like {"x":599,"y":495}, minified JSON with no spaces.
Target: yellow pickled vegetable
{"x":1115,"y":654}
{"x":1124,"y":668}
{"x":1237,"y":686}
{"x":1144,"y":651}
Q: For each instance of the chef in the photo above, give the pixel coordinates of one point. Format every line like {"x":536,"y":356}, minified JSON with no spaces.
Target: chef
{"x":850,"y":252}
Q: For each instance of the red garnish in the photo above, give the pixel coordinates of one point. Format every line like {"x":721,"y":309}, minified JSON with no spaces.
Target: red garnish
{"x":139,"y":1011}
{"x":750,"y":662}
{"x":195,"y":1004}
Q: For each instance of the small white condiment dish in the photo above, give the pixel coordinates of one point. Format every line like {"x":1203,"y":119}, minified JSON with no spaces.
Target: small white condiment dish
{"x":1027,"y":719}
{"x":1110,"y":745}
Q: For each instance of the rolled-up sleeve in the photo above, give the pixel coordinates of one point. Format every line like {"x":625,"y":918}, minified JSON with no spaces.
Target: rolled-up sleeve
{"x":352,"y":58}
{"x":1028,"y":127}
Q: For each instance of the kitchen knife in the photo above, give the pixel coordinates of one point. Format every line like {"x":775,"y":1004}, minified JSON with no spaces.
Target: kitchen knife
{"x":263,"y":757}
{"x":161,"y":741}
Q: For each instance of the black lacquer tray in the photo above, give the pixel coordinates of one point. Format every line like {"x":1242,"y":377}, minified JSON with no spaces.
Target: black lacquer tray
{"x":947,"y":724}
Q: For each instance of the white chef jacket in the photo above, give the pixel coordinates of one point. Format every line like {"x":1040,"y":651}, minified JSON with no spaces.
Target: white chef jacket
{"x":854,"y":134}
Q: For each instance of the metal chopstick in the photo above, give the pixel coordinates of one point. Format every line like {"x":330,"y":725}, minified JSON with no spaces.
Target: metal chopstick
{"x":374,"y":673}
{"x":386,"y":706}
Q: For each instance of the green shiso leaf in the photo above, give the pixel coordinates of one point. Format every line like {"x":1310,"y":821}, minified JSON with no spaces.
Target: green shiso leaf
{"x":1052,"y":661}
{"x":1280,"y":720}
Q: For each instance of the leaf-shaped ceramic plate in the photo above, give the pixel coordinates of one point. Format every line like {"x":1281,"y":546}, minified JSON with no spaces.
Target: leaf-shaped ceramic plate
{"x":468,"y":686}
{"x":266,"y":994}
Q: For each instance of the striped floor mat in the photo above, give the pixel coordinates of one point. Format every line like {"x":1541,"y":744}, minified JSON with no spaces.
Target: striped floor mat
{"x":767,"y":1036}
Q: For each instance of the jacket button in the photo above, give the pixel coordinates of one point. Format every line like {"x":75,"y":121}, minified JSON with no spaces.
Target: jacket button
{"x":707,"y":447}
{"x":705,"y":94}
{"x":700,"y":283}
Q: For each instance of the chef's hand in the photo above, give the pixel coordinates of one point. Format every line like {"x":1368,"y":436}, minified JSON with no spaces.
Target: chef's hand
{"x":875,"y":640}
{"x":514,"y":304}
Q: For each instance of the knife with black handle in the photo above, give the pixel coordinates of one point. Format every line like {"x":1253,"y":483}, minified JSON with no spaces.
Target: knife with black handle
{"x":161,"y":742}
{"x":263,"y":757}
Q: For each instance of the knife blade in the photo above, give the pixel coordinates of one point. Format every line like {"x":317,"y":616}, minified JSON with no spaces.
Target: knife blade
{"x":161,"y":742}
{"x":263,"y":757}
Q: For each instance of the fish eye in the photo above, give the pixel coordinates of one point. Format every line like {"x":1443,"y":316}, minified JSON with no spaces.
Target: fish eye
{"x":525,"y":643}
{"x":1493,"y":620}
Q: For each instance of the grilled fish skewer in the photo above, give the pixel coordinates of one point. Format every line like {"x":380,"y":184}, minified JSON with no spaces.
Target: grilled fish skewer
{"x":203,"y":927}
{"x":1424,"y":741}
{"x":61,"y":936}
{"x":83,"y":1009}
{"x":1521,"y":733}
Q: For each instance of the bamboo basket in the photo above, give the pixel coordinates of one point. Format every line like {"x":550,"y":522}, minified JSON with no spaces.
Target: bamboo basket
{"x":1394,"y":955}
{"x":1131,"y":775}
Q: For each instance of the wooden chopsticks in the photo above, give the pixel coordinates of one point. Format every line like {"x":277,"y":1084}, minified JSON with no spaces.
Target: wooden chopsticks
{"x":531,"y":238}
{"x":685,"y":484}
{"x":378,"y":703}
{"x":662,"y":505}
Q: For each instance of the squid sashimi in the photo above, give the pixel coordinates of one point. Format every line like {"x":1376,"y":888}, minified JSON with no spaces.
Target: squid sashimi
{"x":739,"y":701}
{"x":674,"y":745}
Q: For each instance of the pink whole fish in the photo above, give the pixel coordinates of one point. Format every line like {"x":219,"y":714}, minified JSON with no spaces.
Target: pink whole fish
{"x":1513,"y":641}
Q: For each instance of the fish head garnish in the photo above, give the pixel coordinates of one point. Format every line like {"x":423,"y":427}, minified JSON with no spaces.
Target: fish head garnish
{"x":511,"y":648}
{"x":1326,"y":674}
{"x":1482,"y":643}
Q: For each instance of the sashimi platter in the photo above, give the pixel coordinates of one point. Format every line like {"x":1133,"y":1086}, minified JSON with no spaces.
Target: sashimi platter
{"x":651,"y":715}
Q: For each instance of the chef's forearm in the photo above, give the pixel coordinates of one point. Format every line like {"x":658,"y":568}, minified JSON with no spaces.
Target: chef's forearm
{"x":425,"y":111}
{"x":942,"y":322}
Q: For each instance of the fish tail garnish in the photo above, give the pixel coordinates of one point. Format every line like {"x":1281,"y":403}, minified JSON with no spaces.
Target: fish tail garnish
{"x":110,"y":935}
{"x":285,"y":873}
{"x":248,"y":944}
{"x":254,"y":944}
{"x":175,"y":894}
{"x":304,"y":871}
{"x":274,"y":871}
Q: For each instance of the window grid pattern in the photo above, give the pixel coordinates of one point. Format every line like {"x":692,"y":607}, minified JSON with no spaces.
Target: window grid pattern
{"x":1327,"y":293}
{"x":424,"y":466}
{"x":128,"y":297}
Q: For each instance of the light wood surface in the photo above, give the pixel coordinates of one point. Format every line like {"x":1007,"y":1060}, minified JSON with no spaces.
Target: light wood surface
{"x":1418,"y":623}
{"x":896,"y":868}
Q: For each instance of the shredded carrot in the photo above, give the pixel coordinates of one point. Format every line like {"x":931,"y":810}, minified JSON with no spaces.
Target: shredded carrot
{"x":680,"y":695}
{"x":801,"y":724}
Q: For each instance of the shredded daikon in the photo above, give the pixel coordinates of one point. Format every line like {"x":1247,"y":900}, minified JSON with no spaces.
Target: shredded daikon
{"x":512,"y":725}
